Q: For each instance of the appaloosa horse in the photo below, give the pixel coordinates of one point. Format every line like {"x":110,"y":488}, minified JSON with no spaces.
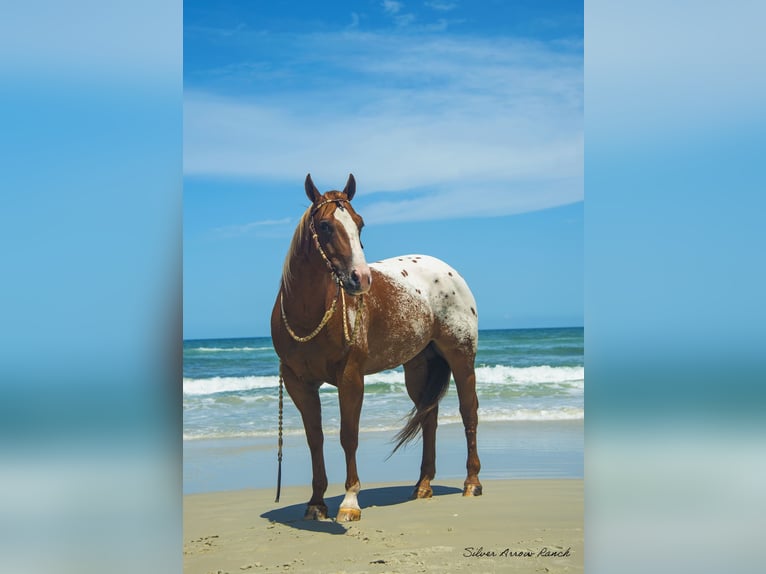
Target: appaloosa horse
{"x":336,"y":319}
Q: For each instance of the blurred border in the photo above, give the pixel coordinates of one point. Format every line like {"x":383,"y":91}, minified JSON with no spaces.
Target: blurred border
{"x":90,"y":224}
{"x":675,"y":320}
{"x":90,"y":317}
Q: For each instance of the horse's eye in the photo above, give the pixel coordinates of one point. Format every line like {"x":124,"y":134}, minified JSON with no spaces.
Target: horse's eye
{"x":325,"y":227}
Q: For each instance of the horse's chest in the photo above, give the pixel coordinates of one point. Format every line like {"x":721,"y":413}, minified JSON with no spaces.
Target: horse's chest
{"x":314,"y":360}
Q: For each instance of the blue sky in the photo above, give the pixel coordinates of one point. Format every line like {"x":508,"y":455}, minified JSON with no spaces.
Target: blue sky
{"x":462,"y":123}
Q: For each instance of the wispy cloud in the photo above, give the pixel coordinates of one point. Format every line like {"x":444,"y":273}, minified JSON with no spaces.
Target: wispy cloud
{"x":442,"y":6}
{"x":394,"y":9}
{"x":215,"y":31}
{"x":475,"y":199}
{"x":391,"y":6}
{"x":268,"y":225}
{"x":497,"y":121}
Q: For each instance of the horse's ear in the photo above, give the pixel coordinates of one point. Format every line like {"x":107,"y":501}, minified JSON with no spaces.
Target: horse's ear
{"x":350,"y":188}
{"x":311,"y":190}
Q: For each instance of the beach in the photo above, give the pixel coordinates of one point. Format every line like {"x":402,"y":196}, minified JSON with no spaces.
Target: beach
{"x":524,"y":525}
{"x":529,"y":519}
{"x":530,"y":438}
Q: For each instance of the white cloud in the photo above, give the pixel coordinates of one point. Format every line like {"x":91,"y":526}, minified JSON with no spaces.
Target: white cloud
{"x":442,"y":6}
{"x":391,"y":6}
{"x":499,"y":122}
{"x":394,"y":9}
{"x":229,"y":231}
{"x":476,"y":199}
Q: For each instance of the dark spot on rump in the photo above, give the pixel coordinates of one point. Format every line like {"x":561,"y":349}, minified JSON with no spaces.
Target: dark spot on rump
{"x":453,"y":292}
{"x":414,"y":260}
{"x":436,"y":280}
{"x":404,"y":273}
{"x":400,"y":259}
{"x":473,"y":311}
{"x":449,"y":273}
{"x":418,"y":290}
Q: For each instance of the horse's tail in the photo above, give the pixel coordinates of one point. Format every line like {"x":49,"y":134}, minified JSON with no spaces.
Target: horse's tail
{"x":436,"y":385}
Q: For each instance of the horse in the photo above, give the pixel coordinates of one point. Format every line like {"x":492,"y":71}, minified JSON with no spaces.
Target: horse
{"x":337,"y":319}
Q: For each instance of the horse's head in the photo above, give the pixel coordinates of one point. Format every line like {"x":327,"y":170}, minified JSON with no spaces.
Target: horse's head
{"x":336,"y":228}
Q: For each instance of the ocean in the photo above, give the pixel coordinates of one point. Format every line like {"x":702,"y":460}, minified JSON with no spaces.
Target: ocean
{"x":230,"y":386}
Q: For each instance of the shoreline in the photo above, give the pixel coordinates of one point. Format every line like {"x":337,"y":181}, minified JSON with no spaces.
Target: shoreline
{"x":523,"y":525}
{"x":508,"y":450}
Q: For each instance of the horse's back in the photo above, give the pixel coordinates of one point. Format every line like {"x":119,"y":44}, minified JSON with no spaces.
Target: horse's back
{"x":433,"y":295}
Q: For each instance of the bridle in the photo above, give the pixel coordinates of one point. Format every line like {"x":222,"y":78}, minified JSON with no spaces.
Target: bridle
{"x":341,"y":292}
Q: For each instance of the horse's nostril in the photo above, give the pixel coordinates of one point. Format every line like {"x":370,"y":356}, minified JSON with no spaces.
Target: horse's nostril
{"x":355,"y":276}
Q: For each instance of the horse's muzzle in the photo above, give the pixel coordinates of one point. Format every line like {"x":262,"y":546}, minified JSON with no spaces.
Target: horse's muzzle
{"x":358,"y":280}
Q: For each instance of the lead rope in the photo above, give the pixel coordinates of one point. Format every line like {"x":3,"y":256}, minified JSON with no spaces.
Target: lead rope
{"x":279,"y":453}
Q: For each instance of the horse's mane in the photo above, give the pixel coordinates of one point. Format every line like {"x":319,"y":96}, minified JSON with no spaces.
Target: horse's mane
{"x":296,"y":247}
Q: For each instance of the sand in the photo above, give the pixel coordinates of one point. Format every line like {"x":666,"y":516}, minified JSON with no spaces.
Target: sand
{"x":523,"y":525}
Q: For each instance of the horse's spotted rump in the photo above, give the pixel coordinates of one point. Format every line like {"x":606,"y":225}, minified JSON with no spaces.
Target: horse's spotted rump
{"x":436,"y":283}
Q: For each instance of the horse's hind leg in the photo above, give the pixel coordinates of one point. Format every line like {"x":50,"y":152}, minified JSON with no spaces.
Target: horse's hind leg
{"x":306,"y":398}
{"x":461,"y":362}
{"x":426,"y":377}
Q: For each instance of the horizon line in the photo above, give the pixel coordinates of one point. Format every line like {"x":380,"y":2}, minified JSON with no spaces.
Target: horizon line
{"x":480,"y":330}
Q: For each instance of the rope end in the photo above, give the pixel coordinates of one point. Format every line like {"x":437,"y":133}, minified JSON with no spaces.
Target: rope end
{"x":279,"y":443}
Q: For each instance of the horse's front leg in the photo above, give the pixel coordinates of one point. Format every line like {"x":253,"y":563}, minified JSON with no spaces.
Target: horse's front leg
{"x":350,"y":396}
{"x":306,"y":398}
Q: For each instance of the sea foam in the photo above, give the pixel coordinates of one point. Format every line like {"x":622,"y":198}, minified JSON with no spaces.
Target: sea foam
{"x":485,"y":375}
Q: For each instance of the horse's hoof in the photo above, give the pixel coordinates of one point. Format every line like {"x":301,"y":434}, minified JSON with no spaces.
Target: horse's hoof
{"x":348,"y":515}
{"x":315,"y":512}
{"x":422,"y":492}
{"x":472,"y":490}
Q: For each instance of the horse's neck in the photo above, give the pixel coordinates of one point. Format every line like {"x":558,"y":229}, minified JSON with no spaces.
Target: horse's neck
{"x":310,"y":291}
